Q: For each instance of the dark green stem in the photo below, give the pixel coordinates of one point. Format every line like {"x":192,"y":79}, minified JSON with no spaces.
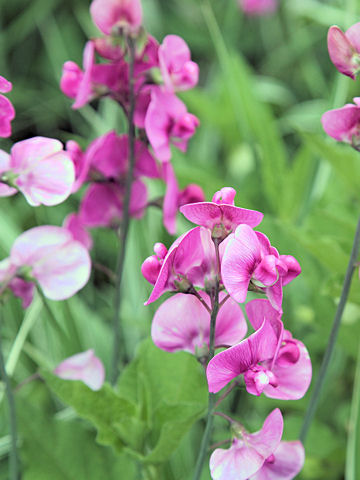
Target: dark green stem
{"x":119,"y":344}
{"x":333,"y":336}
{"x":212,"y":397}
{"x":14,"y":467}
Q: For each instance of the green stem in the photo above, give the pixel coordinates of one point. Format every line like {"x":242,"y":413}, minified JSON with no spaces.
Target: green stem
{"x":51,"y":315}
{"x":117,"y":327}
{"x":212,"y":397}
{"x":14,"y":469}
{"x":333,"y":336}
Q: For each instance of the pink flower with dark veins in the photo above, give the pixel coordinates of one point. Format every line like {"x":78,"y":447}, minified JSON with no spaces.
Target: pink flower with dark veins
{"x":177,"y":69}
{"x":221,"y":216}
{"x":168,"y":121}
{"x":83,"y":366}
{"x":182,"y":322}
{"x":250,"y":260}
{"x":344,"y":49}
{"x":40,"y":169}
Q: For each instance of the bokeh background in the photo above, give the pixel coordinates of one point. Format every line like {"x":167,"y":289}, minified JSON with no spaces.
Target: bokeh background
{"x":264,"y":85}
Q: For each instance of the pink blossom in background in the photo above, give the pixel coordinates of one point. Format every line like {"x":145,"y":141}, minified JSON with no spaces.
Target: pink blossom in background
{"x":152,"y":265}
{"x":102,"y":204}
{"x":220,"y":215}
{"x":109,"y":15}
{"x":74,"y":224}
{"x":40,"y":169}
{"x":168,"y":121}
{"x":50,"y":256}
{"x":290,"y":365}
{"x":284,"y":464}
{"x":7,"y":111}
{"x":183,"y":323}
{"x":344,"y":49}
{"x":343,"y":124}
{"x":250,"y":258}
{"x":244,"y":357}
{"x":258,"y":7}
{"x":248,"y":452}
{"x":83,"y":366}
{"x":177,"y":69}
{"x":80,"y":162}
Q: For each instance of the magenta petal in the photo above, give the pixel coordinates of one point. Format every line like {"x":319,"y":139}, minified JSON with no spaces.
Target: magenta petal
{"x":73,"y":223}
{"x":242,"y":254}
{"x":170,"y":206}
{"x":341,"y":51}
{"x":293,"y":268}
{"x":275,"y":295}
{"x":342,"y":123}
{"x":183,"y":323}
{"x":84,"y":91}
{"x":293,"y":379}
{"x":353,"y":35}
{"x":7,"y":114}
{"x":83,"y":366}
{"x":288,"y":461}
{"x":259,"y":309}
{"x":236,"y":360}
{"x":5,"y":85}
{"x":268,"y":438}
{"x":101,"y":205}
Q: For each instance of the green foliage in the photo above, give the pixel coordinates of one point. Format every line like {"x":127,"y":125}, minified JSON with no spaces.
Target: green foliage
{"x":158,"y":398}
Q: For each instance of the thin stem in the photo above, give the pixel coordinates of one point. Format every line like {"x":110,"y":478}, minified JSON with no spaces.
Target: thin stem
{"x":224,"y":300}
{"x":210,"y":418}
{"x":333,"y":336}
{"x":226,"y":393}
{"x":117,"y":327}
{"x":192,"y":291}
{"x":218,"y":444}
{"x":224,"y":416}
{"x":14,"y":468}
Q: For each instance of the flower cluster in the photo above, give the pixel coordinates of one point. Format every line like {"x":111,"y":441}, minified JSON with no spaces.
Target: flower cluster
{"x":7,"y":112}
{"x":211,"y":269}
{"x":343,"y":124}
{"x":142,"y":77}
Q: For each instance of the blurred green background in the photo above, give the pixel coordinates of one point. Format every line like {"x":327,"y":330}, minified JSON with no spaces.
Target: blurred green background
{"x":264,"y":85}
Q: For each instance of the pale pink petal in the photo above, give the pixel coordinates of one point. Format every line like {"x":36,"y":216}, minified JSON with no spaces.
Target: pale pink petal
{"x":287,"y":461}
{"x":5,"y":190}
{"x":268,"y":438}
{"x":236,"y":360}
{"x":107,"y":14}
{"x":353,"y":34}
{"x":26,"y":153}
{"x":83,"y":366}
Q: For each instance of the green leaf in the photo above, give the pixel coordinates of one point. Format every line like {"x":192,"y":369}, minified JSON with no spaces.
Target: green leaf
{"x":352,"y":470}
{"x":104,"y":408}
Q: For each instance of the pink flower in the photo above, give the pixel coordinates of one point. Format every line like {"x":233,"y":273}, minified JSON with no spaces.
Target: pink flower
{"x":183,"y":323}
{"x":344,"y":49}
{"x":83,"y":366}
{"x":248,"y":452}
{"x":40,"y":169}
{"x":111,"y":16}
{"x":258,"y":7}
{"x":343,"y":124}
{"x":249,"y":259}
{"x":177,"y":69}
{"x":102,"y":204}
{"x":73,"y":223}
{"x":50,"y":256}
{"x":220,"y":215}
{"x":284,"y":464}
{"x":244,"y":357}
{"x":290,"y":366}
{"x":167,"y":121}
{"x":7,"y":111}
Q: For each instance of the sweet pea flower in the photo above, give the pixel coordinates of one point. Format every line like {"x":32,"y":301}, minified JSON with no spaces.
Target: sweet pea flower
{"x":258,"y":7}
{"x":177,"y":69}
{"x":291,"y":365}
{"x":75,"y":226}
{"x":182,"y":322}
{"x":344,"y":49}
{"x":168,"y":121}
{"x":83,"y":366}
{"x":284,"y":464}
{"x":251,"y":262}
{"x":49,"y":256}
{"x":102,"y":204}
{"x":112,"y":16}
{"x":220,"y":215}
{"x":7,"y":111}
{"x":243,"y":358}
{"x":343,"y":124}
{"x":40,"y":169}
{"x":249,"y":451}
